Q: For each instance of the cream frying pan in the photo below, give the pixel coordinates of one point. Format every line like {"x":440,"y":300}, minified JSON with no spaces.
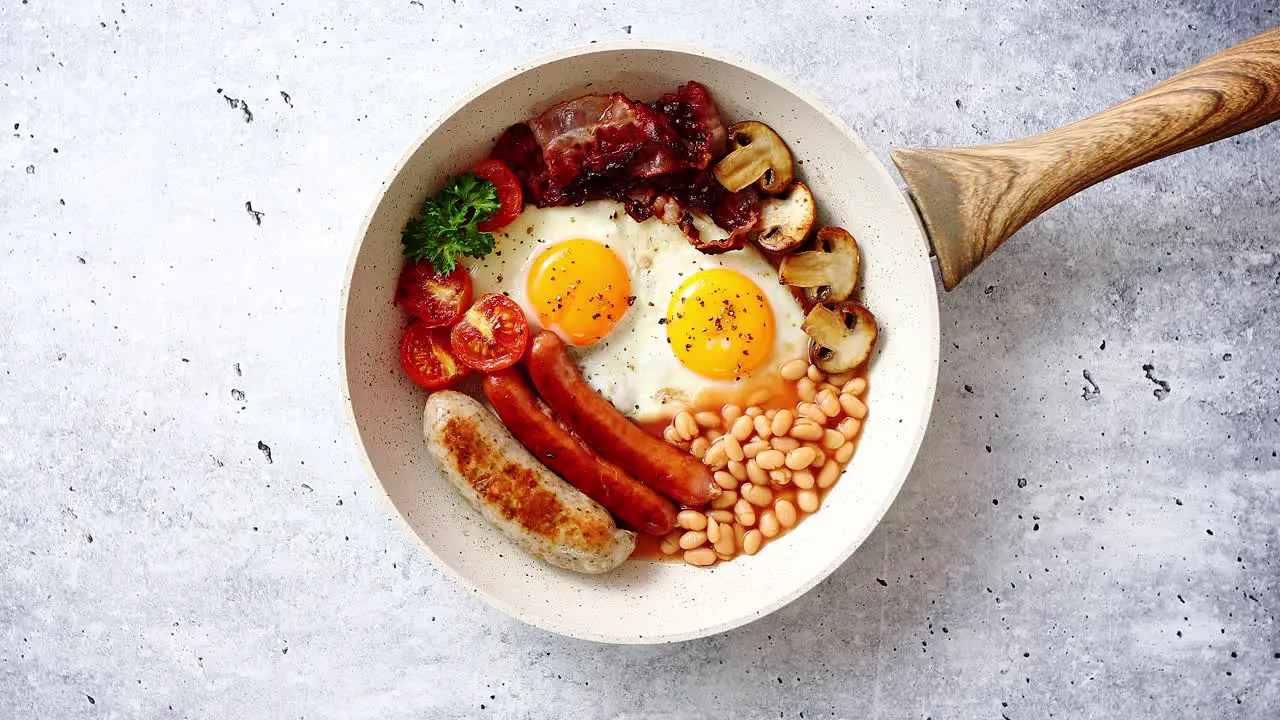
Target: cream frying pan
{"x":966,"y":203}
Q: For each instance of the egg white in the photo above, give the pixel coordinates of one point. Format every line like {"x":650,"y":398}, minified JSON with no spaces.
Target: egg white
{"x":634,"y":366}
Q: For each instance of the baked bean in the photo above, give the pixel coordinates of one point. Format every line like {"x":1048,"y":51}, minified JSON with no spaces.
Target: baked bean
{"x":730,"y":413}
{"x":758,"y":495}
{"x":713,"y":530}
{"x":784,"y":444}
{"x":781,"y":476}
{"x":819,"y":455}
{"x":699,"y":447}
{"x":732,"y":448}
{"x":725,"y":499}
{"x":739,"y":532}
{"x":770,"y":459}
{"x":686,"y":427}
{"x":669,"y":547}
{"x":769,"y":525}
{"x":811,"y":411}
{"x":806,"y":389}
{"x":692,"y":539}
{"x":753,"y":411}
{"x":829,"y":402}
{"x":782,"y":422}
{"x":762,"y":426}
{"x":701,"y":557}
{"x":802,"y":479}
{"x":800,"y":458}
{"x":855,"y":386}
{"x":844,"y":453}
{"x":849,"y":427}
{"x":756,"y":473}
{"x":786,"y":512}
{"x":793,"y":370}
{"x":829,"y":474}
{"x":742,"y":427}
{"x":737,"y":469}
{"x":832,"y":439}
{"x":759,"y":397}
{"x":754,"y":447}
{"x":770,"y":413}
{"x":716,"y":456}
{"x":725,"y":546}
{"x":807,"y":500}
{"x":744,"y":513}
{"x":724,"y":517}
{"x":815,"y":374}
{"x":671,"y":436}
{"x":806,"y":430}
{"x":751,"y":542}
{"x":707,"y":419}
{"x":722,"y":556}
{"x":692,"y":520}
{"x":852,"y":406}
{"x":725,"y":480}
{"x":840,"y":379}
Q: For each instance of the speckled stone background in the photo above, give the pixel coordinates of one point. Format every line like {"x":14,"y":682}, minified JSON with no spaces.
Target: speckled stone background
{"x":1090,"y":530}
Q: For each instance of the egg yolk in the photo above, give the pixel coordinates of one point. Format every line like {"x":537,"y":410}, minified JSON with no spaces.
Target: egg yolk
{"x":579,"y":289}
{"x":720,"y":324}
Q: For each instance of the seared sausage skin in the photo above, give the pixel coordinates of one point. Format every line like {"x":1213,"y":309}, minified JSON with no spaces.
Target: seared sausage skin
{"x":546,"y":516}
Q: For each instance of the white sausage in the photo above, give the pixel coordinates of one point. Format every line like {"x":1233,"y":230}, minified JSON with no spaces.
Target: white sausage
{"x":546,"y":516}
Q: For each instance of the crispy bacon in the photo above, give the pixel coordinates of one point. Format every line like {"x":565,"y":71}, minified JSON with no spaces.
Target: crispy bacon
{"x":652,"y":158}
{"x":605,"y":135}
{"x":696,"y":119}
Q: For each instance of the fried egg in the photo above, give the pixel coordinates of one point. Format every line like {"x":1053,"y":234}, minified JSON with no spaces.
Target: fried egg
{"x":652,"y":322}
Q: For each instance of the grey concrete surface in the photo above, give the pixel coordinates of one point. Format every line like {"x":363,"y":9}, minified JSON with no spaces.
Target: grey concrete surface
{"x":1090,"y":530}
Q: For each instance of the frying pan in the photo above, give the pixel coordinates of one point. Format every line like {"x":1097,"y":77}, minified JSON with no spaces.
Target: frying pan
{"x":960,"y":204}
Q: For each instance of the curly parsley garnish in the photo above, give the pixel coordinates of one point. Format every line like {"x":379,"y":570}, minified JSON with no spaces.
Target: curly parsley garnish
{"x":446,"y":227}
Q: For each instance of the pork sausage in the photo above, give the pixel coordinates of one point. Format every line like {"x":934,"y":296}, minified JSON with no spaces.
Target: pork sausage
{"x":544,"y":515}
{"x":546,"y":435}
{"x":648,"y":459}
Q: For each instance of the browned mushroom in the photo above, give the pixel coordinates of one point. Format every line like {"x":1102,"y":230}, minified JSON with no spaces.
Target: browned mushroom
{"x":828,"y":272}
{"x":758,"y":154}
{"x":840,"y":338}
{"x":785,"y":221}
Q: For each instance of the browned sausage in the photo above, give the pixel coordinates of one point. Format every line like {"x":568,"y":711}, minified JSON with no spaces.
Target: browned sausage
{"x":538,"y":428}
{"x":535,"y":508}
{"x":650,"y":460}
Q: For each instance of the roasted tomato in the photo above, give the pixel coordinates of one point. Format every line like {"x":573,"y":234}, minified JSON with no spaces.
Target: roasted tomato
{"x":428,"y":359}
{"x":492,"y":335}
{"x":437,"y":300}
{"x":510,"y":196}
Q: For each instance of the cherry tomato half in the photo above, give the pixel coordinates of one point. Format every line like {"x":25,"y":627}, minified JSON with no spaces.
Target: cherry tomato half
{"x":510,"y":196}
{"x":428,"y":359}
{"x":492,"y":335}
{"x":437,"y":300}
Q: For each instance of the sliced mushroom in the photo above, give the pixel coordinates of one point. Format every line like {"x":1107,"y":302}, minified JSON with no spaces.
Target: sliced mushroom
{"x":785,"y":221}
{"x":828,"y":272}
{"x":758,"y":154}
{"x":840,"y":338}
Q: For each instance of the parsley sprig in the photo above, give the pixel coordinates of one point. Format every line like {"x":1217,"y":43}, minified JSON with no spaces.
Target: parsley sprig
{"x":446,"y":227}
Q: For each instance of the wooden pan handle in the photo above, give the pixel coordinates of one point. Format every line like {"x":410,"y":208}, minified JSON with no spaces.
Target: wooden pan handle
{"x":973,"y":199}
